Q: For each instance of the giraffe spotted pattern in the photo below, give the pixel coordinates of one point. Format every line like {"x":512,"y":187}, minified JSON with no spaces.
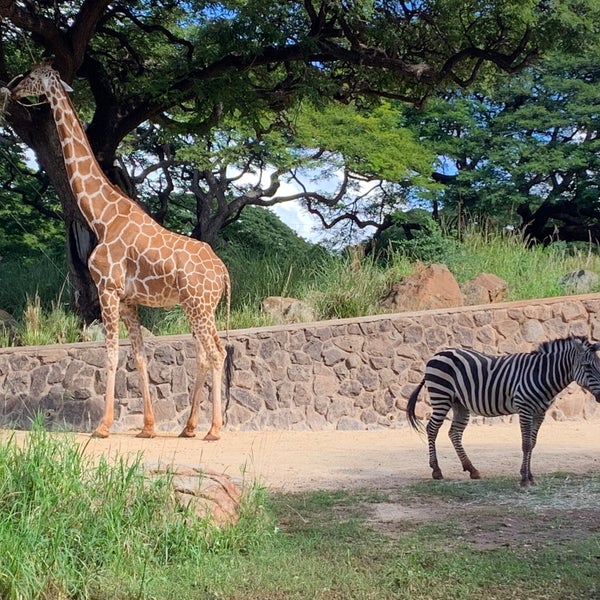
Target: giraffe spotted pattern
{"x":137,"y":262}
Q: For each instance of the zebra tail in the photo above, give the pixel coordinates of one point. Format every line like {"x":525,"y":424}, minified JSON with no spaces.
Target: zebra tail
{"x":410,"y":408}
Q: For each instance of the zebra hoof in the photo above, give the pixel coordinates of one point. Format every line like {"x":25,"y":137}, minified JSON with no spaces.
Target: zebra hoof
{"x":437,"y":474}
{"x":474,"y":474}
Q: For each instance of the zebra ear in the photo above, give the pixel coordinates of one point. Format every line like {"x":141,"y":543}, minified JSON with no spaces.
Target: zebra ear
{"x":595,"y":347}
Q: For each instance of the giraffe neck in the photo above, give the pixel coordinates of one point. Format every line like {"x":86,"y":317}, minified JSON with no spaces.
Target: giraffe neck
{"x":96,"y":196}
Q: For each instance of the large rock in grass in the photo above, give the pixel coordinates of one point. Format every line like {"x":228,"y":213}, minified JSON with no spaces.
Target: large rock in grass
{"x":287,"y":310}
{"x":8,"y":324}
{"x":210,"y":495}
{"x":485,"y":288}
{"x":579,"y":282}
{"x":427,"y":288}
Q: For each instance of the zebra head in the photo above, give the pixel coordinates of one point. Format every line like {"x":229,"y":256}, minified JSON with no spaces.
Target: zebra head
{"x":587,"y":366}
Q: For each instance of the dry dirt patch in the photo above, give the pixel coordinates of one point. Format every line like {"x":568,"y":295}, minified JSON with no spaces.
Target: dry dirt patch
{"x":488,"y":525}
{"x":391,"y":460}
{"x":292,"y":461}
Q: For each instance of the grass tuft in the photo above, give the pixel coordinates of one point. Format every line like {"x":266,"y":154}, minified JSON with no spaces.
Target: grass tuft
{"x":70,"y":528}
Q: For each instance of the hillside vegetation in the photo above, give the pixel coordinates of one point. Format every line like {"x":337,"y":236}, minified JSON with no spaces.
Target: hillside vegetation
{"x":335,"y":285}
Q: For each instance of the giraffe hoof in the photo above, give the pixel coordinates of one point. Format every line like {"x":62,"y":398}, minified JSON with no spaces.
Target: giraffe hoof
{"x":211,"y":437}
{"x":146,"y":434}
{"x":186,"y":433}
{"x":101,"y":434}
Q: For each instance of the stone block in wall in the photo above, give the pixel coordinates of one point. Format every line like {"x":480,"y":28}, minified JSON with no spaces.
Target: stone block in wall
{"x":556,"y":328}
{"x":332,"y":355}
{"x":533,"y":331}
{"x":384,"y":403}
{"x":302,"y":394}
{"x":350,"y":388}
{"x":580,"y":327}
{"x":316,"y":421}
{"x":368,"y":378}
{"x":350,"y":343}
{"x":572,"y":311}
{"x":462,"y":336}
{"x":247,"y":399}
{"x":341,"y":407}
{"x":350,"y":424}
{"x":486,"y":338}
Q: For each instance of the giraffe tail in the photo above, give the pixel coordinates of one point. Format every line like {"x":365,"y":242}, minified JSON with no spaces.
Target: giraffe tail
{"x":227,"y":305}
{"x":228,"y":366}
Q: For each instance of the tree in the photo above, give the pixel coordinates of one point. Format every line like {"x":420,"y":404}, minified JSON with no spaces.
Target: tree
{"x":152,"y":62}
{"x":527,"y":154}
{"x":25,"y":198}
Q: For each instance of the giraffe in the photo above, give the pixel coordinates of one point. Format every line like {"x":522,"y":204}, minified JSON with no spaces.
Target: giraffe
{"x":137,"y":262}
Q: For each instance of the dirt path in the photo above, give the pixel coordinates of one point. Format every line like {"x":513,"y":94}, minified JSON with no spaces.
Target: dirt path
{"x":295,"y":461}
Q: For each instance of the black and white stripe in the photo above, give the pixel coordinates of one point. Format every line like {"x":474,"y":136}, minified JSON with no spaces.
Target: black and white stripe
{"x":471,"y":382}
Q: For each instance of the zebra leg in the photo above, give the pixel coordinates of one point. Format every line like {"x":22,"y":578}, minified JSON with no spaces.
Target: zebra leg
{"x":460,"y":420}
{"x":528,"y":435}
{"x":433,"y":427}
{"x":536,"y":423}
{"x":440,"y":408}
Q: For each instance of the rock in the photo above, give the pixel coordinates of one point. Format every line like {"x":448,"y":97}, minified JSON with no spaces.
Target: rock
{"x":579,"y":282}
{"x":287,"y":310}
{"x":485,"y":288}
{"x":8,"y":324}
{"x":209,"y":494}
{"x":430,"y":287}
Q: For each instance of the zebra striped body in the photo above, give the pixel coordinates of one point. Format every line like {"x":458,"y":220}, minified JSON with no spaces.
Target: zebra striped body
{"x":472,"y":382}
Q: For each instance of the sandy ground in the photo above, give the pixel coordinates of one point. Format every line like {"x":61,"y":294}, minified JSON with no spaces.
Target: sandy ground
{"x":296,"y":461}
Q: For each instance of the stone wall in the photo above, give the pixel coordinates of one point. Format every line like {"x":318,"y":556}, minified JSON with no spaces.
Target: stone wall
{"x":345,"y":374}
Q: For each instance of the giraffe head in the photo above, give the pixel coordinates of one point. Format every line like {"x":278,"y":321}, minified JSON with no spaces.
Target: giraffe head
{"x":39,"y":81}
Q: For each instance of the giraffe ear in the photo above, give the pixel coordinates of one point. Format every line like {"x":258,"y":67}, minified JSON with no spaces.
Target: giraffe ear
{"x":66,"y":86}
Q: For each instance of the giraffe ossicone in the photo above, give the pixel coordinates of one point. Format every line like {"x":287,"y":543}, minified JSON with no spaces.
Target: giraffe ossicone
{"x":137,"y":262}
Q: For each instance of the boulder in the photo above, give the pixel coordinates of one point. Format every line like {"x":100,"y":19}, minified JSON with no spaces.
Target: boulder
{"x":287,"y":310}
{"x":8,"y":324}
{"x":485,"y":288}
{"x":208,"y":494}
{"x":579,"y":282}
{"x":427,"y":288}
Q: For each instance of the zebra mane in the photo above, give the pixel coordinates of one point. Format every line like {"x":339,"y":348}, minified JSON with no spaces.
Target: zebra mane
{"x":552,"y":345}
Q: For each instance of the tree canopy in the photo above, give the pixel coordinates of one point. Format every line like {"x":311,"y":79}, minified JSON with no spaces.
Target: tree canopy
{"x":178,"y":93}
{"x":526,"y":153}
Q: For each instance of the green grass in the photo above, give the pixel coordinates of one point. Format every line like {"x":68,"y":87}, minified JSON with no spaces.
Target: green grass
{"x":73,"y":529}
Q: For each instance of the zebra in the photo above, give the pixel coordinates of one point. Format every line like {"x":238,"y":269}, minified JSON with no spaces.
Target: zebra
{"x":471,"y":382}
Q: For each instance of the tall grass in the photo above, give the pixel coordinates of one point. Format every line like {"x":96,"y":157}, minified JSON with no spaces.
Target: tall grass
{"x":73,"y":529}
{"x":336,"y":286}
{"x":531,"y":272}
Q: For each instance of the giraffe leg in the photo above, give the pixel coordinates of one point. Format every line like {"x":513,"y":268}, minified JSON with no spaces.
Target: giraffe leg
{"x":217,"y":356}
{"x":209,"y":354}
{"x":201,"y":369}
{"x":460,"y":420}
{"x":132,"y":323}
{"x":109,"y":304}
